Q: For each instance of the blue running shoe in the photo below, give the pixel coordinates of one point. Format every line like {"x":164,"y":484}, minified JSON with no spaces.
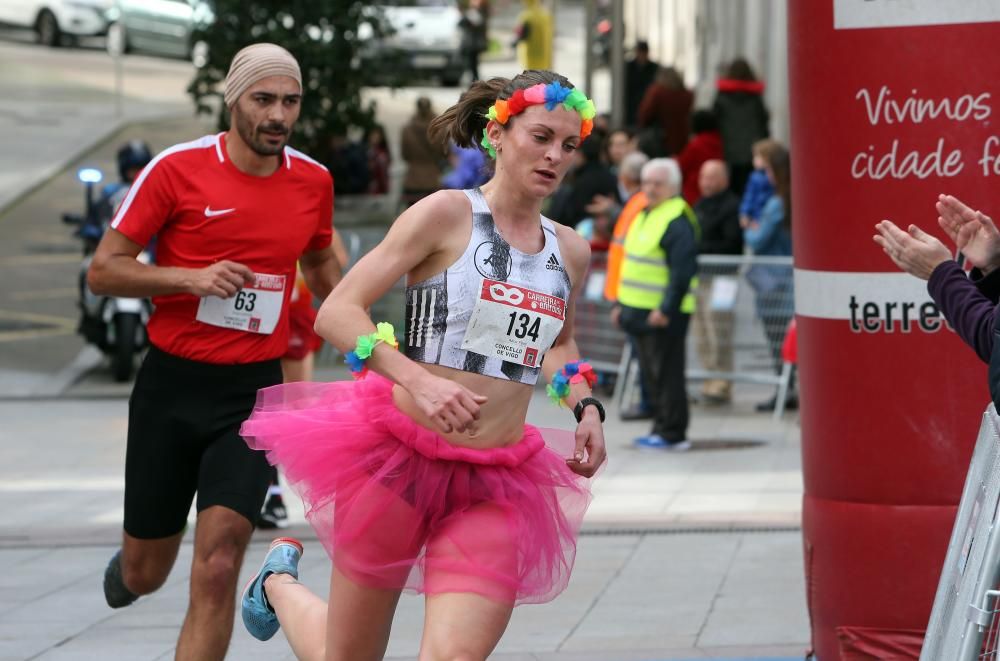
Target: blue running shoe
{"x":657,"y":442}
{"x":258,"y":616}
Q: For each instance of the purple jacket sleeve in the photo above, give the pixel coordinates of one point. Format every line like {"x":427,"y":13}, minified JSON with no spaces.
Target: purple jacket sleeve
{"x":969,"y":311}
{"x":989,"y":285}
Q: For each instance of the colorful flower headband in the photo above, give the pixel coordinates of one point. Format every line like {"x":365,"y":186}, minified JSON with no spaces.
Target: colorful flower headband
{"x":551,"y":95}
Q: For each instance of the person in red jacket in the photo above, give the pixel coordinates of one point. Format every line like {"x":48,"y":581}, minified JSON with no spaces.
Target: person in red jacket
{"x":665,"y":115}
{"x":705,"y":145}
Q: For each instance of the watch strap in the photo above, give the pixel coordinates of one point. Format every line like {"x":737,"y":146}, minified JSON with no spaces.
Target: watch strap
{"x":584,"y":403}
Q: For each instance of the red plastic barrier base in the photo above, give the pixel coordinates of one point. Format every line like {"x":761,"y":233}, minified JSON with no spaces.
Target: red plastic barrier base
{"x":864,"y":643}
{"x":855,"y":554}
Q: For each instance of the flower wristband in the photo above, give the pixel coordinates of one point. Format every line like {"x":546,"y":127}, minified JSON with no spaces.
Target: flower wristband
{"x":384,"y":334}
{"x":578,"y":371}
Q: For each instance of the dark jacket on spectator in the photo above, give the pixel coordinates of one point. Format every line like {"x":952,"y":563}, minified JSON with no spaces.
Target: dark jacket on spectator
{"x":719,"y":220}
{"x":638,"y":78}
{"x":568,"y":204}
{"x":739,"y":107}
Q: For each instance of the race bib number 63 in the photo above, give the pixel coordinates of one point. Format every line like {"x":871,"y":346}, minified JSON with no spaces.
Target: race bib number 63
{"x":254,"y":309}
{"x":514,"y":323}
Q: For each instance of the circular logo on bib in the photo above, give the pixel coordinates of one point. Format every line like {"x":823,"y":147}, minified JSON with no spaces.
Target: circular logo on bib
{"x":493,"y":260}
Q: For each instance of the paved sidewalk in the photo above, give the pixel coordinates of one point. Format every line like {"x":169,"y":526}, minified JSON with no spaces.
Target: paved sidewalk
{"x":693,"y":555}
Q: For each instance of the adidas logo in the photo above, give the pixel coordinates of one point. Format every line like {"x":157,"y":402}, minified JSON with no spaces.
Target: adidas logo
{"x":553,"y":263}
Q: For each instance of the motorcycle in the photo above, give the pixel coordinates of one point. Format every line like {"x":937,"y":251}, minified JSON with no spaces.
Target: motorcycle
{"x":114,"y":324}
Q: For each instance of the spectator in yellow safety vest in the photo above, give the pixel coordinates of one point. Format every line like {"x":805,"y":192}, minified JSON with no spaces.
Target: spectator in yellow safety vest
{"x":656,"y":299}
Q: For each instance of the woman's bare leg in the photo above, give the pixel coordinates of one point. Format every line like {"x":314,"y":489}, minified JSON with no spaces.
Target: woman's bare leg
{"x":358,"y":620}
{"x":462,"y":626}
{"x":301,"y":613}
{"x":356,"y":626}
{"x":459,"y":624}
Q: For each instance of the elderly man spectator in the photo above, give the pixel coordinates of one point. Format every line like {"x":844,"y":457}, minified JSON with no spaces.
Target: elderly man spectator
{"x":629,"y":187}
{"x":718,"y":212}
{"x":655,"y":298}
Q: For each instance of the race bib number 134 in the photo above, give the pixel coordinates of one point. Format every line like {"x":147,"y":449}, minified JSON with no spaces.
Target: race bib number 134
{"x":514,"y":323}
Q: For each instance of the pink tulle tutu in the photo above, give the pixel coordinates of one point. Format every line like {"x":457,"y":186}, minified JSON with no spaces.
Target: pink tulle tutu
{"x":397,"y":506}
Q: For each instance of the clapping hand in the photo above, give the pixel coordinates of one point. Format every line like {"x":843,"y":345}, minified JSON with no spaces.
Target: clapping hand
{"x":973,"y":232}
{"x":915,"y":251}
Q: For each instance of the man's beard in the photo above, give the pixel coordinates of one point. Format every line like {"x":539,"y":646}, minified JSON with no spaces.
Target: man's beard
{"x":252,"y":138}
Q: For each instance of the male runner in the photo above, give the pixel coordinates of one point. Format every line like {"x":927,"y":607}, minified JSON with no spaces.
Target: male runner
{"x":232,"y":214}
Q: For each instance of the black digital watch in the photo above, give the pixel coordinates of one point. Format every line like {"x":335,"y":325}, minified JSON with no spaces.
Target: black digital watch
{"x":584,"y":403}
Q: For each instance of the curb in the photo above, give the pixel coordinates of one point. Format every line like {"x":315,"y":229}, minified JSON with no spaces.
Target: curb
{"x":101,"y":138}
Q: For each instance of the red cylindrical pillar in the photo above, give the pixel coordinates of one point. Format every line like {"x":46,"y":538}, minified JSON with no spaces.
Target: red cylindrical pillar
{"x":892,"y":103}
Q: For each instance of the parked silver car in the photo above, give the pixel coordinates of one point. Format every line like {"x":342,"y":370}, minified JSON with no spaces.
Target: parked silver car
{"x":163,"y":27}
{"x":424,"y":41}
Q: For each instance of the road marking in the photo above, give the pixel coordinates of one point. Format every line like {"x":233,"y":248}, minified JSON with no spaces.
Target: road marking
{"x":37,"y":318}
{"x":53,"y":326}
{"x":17,"y":336}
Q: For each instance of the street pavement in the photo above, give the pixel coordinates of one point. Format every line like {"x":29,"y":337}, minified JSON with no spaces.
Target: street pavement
{"x":692,"y":555}
{"x":683,"y":556}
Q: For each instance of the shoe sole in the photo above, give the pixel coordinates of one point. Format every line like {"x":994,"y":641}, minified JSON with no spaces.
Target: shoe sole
{"x":683,"y":446}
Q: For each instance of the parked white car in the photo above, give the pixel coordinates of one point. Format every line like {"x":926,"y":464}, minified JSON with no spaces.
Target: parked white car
{"x":425,"y":39}
{"x":54,"y":20}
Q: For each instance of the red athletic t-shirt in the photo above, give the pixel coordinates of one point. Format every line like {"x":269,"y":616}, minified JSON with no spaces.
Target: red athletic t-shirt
{"x":203,"y":209}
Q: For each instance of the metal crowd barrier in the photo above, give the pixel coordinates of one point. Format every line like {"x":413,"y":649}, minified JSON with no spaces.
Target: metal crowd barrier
{"x":965,"y":618}
{"x":745,"y":303}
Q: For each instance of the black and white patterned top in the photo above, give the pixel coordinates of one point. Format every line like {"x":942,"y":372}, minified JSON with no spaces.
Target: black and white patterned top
{"x":439,"y":308}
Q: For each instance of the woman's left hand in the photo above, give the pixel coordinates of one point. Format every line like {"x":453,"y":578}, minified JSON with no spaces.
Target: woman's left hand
{"x":915,"y":251}
{"x":590,"y":450}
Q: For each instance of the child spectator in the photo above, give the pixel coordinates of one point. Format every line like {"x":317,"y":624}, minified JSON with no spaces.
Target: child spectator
{"x":759,"y":188}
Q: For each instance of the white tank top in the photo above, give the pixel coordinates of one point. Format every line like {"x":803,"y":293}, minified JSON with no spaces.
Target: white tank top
{"x":496,"y":310}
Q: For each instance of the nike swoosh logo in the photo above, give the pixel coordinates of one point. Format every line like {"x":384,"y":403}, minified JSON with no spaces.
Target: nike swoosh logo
{"x":210,"y":213}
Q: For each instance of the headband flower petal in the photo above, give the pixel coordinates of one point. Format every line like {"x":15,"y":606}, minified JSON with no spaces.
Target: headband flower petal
{"x":551,"y":95}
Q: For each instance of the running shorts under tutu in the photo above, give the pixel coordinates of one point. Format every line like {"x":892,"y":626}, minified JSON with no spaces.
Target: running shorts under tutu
{"x":398,"y":507}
